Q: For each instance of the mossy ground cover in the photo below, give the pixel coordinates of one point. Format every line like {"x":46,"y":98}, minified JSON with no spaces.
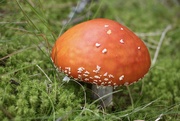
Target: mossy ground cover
{"x":32,"y":89}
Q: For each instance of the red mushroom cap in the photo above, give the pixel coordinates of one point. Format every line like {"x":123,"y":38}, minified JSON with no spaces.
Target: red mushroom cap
{"x":101,"y":52}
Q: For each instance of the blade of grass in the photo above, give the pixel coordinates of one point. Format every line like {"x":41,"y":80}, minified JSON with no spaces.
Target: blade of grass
{"x":132,"y":102}
{"x":98,"y":10}
{"x":28,"y":18}
{"x":31,"y":23}
{"x":44,"y":73}
{"x":42,"y":19}
{"x":160,"y":43}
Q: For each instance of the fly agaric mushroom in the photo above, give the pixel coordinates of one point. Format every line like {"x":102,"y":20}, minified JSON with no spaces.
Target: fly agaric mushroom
{"x":101,"y":52}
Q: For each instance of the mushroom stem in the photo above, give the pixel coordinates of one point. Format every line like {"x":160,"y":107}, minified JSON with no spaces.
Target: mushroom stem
{"x":104,"y":94}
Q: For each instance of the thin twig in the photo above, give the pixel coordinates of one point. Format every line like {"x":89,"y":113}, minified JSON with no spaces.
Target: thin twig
{"x":160,"y":43}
